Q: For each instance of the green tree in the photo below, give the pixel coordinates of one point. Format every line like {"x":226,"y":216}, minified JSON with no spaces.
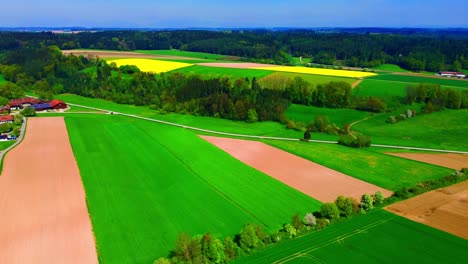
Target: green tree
{"x":28,"y":111}
{"x":18,"y":119}
{"x":231,"y":250}
{"x":330,"y":211}
{"x":307,"y":135}
{"x":252,"y":116}
{"x":248,"y":238}
{"x":367,"y":202}
{"x":379,"y":198}
{"x":290,"y":230}
{"x":345,"y":206}
{"x":162,"y":261}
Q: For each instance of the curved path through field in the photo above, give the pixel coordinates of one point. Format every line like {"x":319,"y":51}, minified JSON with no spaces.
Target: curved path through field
{"x":44,"y":218}
{"x":312,"y":179}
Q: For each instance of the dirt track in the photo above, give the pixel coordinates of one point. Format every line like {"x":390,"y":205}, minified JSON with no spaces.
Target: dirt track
{"x":310,"y":178}
{"x":122,"y":54}
{"x":240,"y":65}
{"x":44,"y":218}
{"x":454,"y":161}
{"x":445,"y":209}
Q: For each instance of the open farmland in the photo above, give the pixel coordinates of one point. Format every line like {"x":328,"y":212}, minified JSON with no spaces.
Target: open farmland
{"x":338,"y":116}
{"x":232,"y":73}
{"x":443,"y":130}
{"x":181,"y":53}
{"x":112,"y":54}
{"x":282,"y":77}
{"x":448,"y":160}
{"x":147,"y":65}
{"x":445,"y":209}
{"x":390,"y":68}
{"x":382,"y":170}
{"x":421,"y":79}
{"x":378,"y":237}
{"x":320,"y":71}
{"x":44,"y":214}
{"x":310,"y":178}
{"x":179,"y":182}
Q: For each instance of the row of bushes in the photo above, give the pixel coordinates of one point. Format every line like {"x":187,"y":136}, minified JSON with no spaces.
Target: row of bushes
{"x":208,"y":249}
{"x":403,"y":116}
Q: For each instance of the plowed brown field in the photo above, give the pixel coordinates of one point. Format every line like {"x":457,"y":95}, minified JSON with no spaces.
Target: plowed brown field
{"x":445,"y":209}
{"x":310,"y":178}
{"x":44,"y":218}
{"x":449,"y":160}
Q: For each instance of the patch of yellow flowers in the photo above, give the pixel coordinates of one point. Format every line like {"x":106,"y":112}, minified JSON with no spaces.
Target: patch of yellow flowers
{"x":148,"y":65}
{"x":319,"y":71}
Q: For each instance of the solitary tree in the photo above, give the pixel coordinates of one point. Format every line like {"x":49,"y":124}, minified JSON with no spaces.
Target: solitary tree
{"x":378,"y":198}
{"x":367,"y":202}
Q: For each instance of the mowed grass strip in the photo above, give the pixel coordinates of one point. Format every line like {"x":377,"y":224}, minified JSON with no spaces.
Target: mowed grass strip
{"x":378,"y":237}
{"x":149,"y":65}
{"x":320,"y":71}
{"x":145,"y":183}
{"x":340,"y":117}
{"x":181,"y":53}
{"x":313,"y":79}
{"x":382,"y":170}
{"x":218,"y":72}
{"x":446,"y":129}
{"x":420,"y":79}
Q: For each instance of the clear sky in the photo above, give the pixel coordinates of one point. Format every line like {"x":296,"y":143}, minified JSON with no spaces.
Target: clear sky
{"x":234,"y":13}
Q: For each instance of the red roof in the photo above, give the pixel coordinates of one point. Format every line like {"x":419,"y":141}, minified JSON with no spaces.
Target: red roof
{"x":454,"y":73}
{"x":56,"y":102}
{"x":6,"y":118}
{"x":18,"y":102}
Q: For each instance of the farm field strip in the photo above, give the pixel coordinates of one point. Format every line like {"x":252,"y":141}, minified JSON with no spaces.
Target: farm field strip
{"x":378,"y":237}
{"x":320,"y":71}
{"x":238,"y":65}
{"x":42,"y":200}
{"x":454,"y":161}
{"x":312,"y":179}
{"x":147,"y":65}
{"x":178,"y":181}
{"x":445,"y":209}
{"x":419,"y":79}
{"x":108,"y":54}
{"x":233,"y":73}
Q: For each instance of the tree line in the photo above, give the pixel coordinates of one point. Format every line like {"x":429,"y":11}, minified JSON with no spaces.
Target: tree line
{"x":413,"y":52}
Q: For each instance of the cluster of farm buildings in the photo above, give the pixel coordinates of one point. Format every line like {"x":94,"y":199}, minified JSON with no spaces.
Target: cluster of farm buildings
{"x":19,"y":104}
{"x":452,"y":74}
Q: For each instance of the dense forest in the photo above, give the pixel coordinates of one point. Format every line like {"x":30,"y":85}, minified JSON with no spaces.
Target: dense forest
{"x":412,"y":52}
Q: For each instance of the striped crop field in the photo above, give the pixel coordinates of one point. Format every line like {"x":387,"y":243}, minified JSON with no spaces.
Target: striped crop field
{"x":319,"y":71}
{"x":148,"y":65}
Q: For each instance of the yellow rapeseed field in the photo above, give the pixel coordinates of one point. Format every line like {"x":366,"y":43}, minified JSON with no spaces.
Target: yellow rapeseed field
{"x":319,"y":71}
{"x":148,"y":65}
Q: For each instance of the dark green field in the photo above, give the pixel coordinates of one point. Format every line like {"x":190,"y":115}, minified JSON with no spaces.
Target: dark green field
{"x":378,"y":237}
{"x":312,"y":78}
{"x":190,"y":54}
{"x":211,"y":72}
{"x":145,"y":183}
{"x":338,"y":116}
{"x":365,"y":164}
{"x":390,"y":68}
{"x":420,"y":79}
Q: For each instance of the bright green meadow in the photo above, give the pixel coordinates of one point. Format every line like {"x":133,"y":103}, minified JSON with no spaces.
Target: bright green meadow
{"x":378,"y":237}
{"x":211,"y":72}
{"x":190,"y":54}
{"x":338,"y":116}
{"x":145,"y":183}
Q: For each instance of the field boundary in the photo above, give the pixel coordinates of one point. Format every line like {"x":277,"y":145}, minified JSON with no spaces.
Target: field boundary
{"x":18,"y":141}
{"x":256,"y":137}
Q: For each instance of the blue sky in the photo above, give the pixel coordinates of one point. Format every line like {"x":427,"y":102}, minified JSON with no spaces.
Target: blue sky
{"x":235,"y":13}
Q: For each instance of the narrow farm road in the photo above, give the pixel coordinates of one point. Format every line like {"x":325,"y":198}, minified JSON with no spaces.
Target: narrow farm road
{"x":259,"y":137}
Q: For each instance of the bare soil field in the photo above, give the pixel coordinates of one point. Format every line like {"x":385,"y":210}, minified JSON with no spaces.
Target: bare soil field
{"x":240,"y":65}
{"x":44,"y":218}
{"x":356,"y":83}
{"x":449,"y":160}
{"x":445,"y":209}
{"x":122,"y":54}
{"x":310,"y":178}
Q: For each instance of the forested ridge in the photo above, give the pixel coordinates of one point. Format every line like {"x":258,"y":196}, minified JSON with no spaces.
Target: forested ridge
{"x":412,"y":52}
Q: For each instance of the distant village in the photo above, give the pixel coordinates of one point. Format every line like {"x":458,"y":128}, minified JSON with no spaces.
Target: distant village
{"x":11,"y":117}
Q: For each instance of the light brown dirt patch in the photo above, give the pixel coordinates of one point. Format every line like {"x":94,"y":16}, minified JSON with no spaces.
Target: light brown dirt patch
{"x":310,"y":178}
{"x":445,"y":209}
{"x":44,"y":216}
{"x":356,"y":83}
{"x":449,"y":160}
{"x":240,"y":65}
{"x":122,"y":54}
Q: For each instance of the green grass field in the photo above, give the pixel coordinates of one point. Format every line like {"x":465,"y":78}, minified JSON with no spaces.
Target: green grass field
{"x":210,"y":72}
{"x":6,"y":144}
{"x":419,"y":79}
{"x":378,"y":237}
{"x":390,"y":68}
{"x":340,"y":117}
{"x":312,"y":78}
{"x":446,"y":129}
{"x":2,"y":79}
{"x":365,"y":164}
{"x":190,"y":54}
{"x":145,"y":183}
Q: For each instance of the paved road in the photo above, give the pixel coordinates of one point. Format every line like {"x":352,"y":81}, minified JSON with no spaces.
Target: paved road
{"x":260,"y":137}
{"x":18,"y":140}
